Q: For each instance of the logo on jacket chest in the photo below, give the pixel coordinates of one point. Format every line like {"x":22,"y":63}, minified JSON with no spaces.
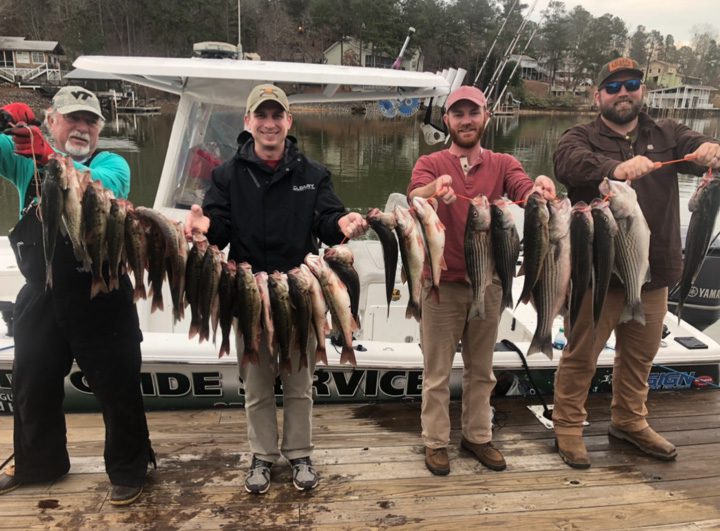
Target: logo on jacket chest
{"x":303,"y":188}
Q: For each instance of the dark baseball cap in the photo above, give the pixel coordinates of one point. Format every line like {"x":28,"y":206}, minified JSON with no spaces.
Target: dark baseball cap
{"x":617,"y":66}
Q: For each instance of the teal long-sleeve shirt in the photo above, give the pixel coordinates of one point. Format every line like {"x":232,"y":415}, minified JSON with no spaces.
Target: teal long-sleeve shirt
{"x":109,"y":168}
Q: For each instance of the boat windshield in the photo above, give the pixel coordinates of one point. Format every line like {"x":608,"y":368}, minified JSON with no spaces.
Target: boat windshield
{"x":209,"y":140}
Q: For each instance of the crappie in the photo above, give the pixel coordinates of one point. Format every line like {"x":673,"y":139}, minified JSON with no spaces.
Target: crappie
{"x":52,"y":199}
{"x":413,"y":258}
{"x":282,"y":317}
{"x":384,"y":224}
{"x":434,"y":236}
{"x":249,"y":313}
{"x":338,"y":301}
{"x":319,"y":314}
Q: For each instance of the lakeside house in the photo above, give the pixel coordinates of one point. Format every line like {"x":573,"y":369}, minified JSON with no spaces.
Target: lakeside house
{"x":354,"y":52}
{"x":683,"y":97}
{"x":23,"y":61}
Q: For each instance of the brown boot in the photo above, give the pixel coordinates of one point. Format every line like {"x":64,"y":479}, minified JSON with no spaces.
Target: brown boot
{"x":436,"y":461}
{"x":648,"y":440}
{"x":572,"y":450}
{"x":486,"y":453}
{"x":8,"y":482}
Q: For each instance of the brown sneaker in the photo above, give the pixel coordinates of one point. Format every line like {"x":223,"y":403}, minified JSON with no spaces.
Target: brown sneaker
{"x":648,"y":440}
{"x":436,"y":461}
{"x":572,"y":450}
{"x":486,"y":453}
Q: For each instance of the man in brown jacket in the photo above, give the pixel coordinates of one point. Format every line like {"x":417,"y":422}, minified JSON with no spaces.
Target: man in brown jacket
{"x":625,"y":144}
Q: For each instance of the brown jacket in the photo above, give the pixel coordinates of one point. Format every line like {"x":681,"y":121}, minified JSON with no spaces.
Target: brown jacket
{"x":587,"y":153}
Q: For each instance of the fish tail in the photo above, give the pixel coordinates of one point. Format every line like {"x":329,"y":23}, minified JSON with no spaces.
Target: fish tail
{"x":348,"y":356}
{"x":507,"y":301}
{"x":194,"y":330}
{"x":98,"y":286}
{"x":139,"y":292}
{"x":303,"y":361}
{"x":286,"y":366}
{"x":475,"y":312}
{"x":633,"y":312}
{"x":321,"y":354}
{"x":49,"y":276}
{"x":413,"y":310}
{"x":224,"y":347}
{"x":541,"y":344}
{"x":434,"y":293}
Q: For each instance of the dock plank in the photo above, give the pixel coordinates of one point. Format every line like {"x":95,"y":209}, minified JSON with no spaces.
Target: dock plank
{"x":370,"y":457}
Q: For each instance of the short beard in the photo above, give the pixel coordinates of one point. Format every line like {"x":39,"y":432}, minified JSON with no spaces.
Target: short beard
{"x":455,"y":136}
{"x":77,"y":152}
{"x":621,"y":118}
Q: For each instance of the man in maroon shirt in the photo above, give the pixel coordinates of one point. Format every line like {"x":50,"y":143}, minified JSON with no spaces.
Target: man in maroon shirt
{"x":469,"y":170}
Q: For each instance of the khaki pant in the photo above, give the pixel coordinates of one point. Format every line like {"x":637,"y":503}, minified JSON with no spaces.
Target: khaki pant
{"x":443,"y":325}
{"x":259,"y":382}
{"x":635,"y":348}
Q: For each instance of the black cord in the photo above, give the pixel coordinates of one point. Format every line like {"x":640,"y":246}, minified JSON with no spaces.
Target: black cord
{"x":12,"y":456}
{"x":512,"y":346}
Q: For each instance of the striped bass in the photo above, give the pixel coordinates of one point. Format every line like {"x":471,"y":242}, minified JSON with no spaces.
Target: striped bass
{"x":479,"y":253}
{"x":551,"y":290}
{"x":632,"y":246}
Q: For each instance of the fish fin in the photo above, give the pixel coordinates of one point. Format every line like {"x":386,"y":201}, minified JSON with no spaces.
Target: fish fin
{"x":348,"y":356}
{"x":633,"y":312}
{"x":286,"y":366}
{"x":521,"y":270}
{"x":475,"y":313}
{"x":443,"y":263}
{"x":507,"y":301}
{"x":303,"y":361}
{"x":434,"y":292}
{"x":440,"y":225}
{"x":224,"y":347}
{"x":403,"y":276}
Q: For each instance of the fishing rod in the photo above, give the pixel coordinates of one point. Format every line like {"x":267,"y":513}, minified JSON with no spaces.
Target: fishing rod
{"x":492,"y":46}
{"x":398,"y":61}
{"x":517,"y":63}
{"x":508,"y":52}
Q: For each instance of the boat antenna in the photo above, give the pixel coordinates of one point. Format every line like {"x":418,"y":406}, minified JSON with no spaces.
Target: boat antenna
{"x":492,"y":46}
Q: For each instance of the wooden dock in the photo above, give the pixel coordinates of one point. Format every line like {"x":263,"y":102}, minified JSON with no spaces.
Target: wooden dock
{"x":373,"y":475}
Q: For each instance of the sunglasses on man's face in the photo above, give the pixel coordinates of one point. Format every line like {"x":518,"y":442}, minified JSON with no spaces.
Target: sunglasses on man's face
{"x":613,"y":87}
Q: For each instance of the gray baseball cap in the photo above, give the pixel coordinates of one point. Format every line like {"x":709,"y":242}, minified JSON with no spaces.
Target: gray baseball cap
{"x":74,"y":98}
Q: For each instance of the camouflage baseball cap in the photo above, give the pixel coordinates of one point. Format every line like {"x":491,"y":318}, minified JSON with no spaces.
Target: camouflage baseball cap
{"x":621,"y":64}
{"x":74,"y":99}
{"x":262,"y":93}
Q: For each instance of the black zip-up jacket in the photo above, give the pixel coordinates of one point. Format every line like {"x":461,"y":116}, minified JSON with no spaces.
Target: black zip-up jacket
{"x":587,"y":153}
{"x":272,"y":218}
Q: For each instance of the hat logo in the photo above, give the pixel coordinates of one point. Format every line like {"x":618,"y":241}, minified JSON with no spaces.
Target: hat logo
{"x":267,"y":90}
{"x":78,"y":95}
{"x":620,"y":62}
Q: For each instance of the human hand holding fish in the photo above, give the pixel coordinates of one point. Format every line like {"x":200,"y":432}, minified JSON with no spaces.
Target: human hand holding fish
{"x":545,"y":186}
{"x":708,"y":154}
{"x":634,"y":168}
{"x":352,"y":225}
{"x":196,"y":222}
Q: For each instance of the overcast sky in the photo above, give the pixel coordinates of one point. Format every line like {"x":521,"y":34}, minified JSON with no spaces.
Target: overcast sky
{"x":667,"y":16}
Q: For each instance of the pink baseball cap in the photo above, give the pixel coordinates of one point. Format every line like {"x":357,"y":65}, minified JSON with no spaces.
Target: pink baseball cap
{"x":466,"y":92}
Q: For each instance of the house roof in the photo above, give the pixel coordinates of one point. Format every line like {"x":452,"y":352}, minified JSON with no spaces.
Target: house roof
{"x":22,"y":45}
{"x":679,"y":88}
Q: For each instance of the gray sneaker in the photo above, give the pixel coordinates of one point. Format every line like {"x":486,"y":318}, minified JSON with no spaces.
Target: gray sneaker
{"x":303,"y":473}
{"x":258,"y":479}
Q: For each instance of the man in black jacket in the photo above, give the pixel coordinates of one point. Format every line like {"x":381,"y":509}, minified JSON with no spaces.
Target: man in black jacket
{"x":271,"y":204}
